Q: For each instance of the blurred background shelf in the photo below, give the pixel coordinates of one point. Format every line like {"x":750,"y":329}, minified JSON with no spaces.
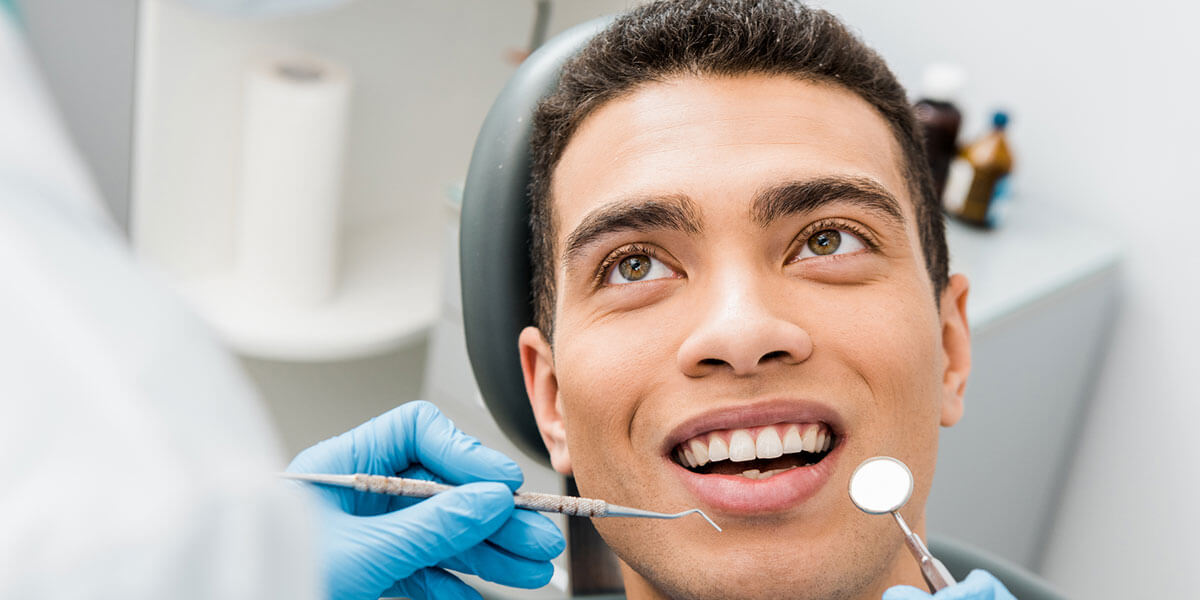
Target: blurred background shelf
{"x":387,"y":299}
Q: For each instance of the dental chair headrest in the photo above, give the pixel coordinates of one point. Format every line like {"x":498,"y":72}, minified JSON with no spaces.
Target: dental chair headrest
{"x":494,"y":238}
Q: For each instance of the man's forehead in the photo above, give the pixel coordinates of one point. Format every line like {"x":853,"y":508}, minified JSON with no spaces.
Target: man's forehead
{"x":722,"y":137}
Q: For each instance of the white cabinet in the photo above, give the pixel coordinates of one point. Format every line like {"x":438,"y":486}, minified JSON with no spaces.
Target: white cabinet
{"x":1043,"y":296}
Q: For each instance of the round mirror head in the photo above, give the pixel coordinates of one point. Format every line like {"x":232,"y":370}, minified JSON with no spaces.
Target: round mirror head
{"x":880,"y":485}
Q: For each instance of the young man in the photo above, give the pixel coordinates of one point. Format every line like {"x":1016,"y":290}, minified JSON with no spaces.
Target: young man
{"x":741,"y":293}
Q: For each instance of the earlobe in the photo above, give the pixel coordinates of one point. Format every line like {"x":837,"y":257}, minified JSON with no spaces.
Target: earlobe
{"x":956,"y":346}
{"x":541,"y":384}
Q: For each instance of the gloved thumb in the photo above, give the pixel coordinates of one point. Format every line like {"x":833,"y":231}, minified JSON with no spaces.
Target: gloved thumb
{"x":905,"y":592}
{"x":979,"y":585}
{"x":437,"y":528}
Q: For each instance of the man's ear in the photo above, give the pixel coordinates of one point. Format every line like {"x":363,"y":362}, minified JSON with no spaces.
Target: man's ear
{"x":956,"y":345}
{"x":541,"y":384}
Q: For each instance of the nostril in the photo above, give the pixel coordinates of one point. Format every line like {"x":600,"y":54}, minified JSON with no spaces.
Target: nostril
{"x":742,"y":346}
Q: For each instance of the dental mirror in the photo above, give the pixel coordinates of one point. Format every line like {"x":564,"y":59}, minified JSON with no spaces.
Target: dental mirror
{"x":881,"y":485}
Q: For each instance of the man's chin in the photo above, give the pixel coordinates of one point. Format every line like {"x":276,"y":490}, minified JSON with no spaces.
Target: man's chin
{"x":765,"y":575}
{"x":784,"y":560}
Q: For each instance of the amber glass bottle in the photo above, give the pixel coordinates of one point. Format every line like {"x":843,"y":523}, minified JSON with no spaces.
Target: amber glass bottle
{"x":940,"y":119}
{"x":977,"y":188}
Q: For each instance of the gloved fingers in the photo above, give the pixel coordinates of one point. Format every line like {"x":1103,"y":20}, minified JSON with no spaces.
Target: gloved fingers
{"x":432,"y":584}
{"x":447,"y":452}
{"x":495,"y":565}
{"x":979,"y":585}
{"x":437,"y":528}
{"x":529,"y":535}
{"x":905,"y":592}
{"x":410,"y":434}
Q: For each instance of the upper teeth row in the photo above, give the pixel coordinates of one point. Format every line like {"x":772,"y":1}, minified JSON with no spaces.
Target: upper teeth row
{"x":740,"y":445}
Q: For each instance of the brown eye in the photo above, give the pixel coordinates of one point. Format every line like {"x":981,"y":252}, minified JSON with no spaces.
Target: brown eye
{"x":825,"y":242}
{"x":634,"y":268}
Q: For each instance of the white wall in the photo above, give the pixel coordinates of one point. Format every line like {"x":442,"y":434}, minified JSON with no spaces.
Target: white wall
{"x":1106,"y":125}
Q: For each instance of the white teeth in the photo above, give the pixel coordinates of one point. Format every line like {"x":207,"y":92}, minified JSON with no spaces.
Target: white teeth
{"x":810,"y":438}
{"x":741,"y":446}
{"x":756,"y":474}
{"x":717,"y":450}
{"x":699,"y":452}
{"x":689,"y":458}
{"x":768,"y":444}
{"x":791,"y":440}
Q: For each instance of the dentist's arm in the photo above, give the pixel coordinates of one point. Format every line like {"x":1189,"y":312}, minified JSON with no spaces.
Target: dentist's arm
{"x":373,"y":544}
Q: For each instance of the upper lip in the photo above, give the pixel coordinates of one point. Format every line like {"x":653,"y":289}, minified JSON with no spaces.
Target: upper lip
{"x":753,"y":414}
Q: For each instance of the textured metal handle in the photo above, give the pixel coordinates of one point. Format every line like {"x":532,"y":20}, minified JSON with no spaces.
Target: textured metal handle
{"x":567,"y":505}
{"x":398,"y":486}
{"x":417,"y":488}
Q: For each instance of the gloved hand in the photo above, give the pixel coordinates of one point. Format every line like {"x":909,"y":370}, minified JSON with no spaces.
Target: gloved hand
{"x":375,"y":544}
{"x":979,"y":585}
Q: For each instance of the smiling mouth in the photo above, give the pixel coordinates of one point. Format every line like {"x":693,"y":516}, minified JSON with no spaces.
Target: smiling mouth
{"x":756,"y":452}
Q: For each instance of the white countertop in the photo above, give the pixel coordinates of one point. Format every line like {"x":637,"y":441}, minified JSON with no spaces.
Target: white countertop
{"x":1036,"y":252}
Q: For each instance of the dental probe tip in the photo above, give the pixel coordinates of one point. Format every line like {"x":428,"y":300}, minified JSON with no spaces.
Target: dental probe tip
{"x":615,"y":510}
{"x":701,"y":513}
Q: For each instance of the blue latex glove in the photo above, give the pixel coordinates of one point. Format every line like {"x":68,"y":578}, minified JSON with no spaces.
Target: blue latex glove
{"x":374,"y":544}
{"x":979,"y":585}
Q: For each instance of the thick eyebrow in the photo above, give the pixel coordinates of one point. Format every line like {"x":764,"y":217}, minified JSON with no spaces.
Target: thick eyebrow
{"x":657,"y":213}
{"x":798,"y":197}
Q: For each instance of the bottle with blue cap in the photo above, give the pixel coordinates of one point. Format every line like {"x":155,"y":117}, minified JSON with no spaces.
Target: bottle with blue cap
{"x":977,"y":187}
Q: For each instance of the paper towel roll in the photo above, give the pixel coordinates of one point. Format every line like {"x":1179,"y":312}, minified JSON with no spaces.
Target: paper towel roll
{"x":293,"y":138}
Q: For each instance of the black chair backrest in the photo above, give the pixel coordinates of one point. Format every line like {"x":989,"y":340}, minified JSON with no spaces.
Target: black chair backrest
{"x":962,"y":558}
{"x":494,"y":237}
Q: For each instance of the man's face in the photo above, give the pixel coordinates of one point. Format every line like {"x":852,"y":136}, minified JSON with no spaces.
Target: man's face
{"x":739,"y":275}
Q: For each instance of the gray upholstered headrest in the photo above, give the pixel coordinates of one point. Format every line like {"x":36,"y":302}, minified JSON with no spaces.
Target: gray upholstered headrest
{"x":494,"y":237}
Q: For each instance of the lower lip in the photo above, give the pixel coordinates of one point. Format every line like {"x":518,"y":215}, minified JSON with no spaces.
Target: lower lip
{"x":742,"y":495}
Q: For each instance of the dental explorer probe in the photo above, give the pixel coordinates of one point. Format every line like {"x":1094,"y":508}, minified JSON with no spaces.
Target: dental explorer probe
{"x":883,"y":484}
{"x":553,"y":503}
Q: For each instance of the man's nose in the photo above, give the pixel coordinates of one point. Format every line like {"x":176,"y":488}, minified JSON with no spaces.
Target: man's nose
{"x":742,"y":333}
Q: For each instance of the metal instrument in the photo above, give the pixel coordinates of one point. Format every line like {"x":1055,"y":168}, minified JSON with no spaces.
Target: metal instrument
{"x":553,"y":503}
{"x":882,"y":485}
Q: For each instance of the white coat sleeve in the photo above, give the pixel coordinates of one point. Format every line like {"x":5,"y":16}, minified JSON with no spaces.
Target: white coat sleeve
{"x":135,"y":460}
{"x":263,"y":8}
